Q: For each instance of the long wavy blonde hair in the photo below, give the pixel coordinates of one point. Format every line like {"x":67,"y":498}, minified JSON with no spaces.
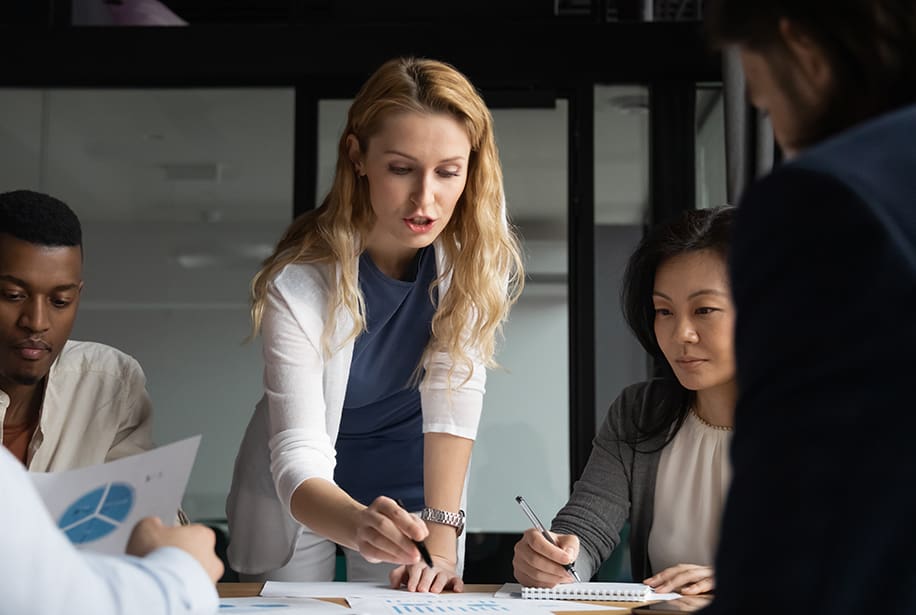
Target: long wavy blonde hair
{"x":480,"y":246}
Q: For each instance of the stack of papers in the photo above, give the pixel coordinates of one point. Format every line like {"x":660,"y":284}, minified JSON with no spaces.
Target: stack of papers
{"x":379,"y":599}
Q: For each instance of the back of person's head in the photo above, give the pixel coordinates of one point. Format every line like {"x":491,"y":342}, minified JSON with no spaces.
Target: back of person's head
{"x":693,"y":231}
{"x":39,"y":219}
{"x":870,"y":45}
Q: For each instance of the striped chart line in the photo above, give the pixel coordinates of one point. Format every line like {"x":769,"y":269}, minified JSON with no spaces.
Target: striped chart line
{"x":481,"y":606}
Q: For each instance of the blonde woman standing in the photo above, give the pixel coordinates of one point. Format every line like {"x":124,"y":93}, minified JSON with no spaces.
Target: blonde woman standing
{"x":379,"y":313}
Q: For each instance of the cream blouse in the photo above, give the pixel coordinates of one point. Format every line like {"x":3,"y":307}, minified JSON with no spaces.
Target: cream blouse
{"x":694,"y":473}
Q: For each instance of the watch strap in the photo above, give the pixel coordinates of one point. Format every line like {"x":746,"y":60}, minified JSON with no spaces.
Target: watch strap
{"x":444,"y":517}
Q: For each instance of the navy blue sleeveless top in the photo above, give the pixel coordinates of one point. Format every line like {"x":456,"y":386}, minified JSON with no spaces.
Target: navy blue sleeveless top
{"x":380,"y":442}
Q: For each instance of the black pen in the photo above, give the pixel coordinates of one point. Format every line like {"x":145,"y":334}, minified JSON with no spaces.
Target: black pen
{"x":421,"y":546}
{"x":540,"y":526}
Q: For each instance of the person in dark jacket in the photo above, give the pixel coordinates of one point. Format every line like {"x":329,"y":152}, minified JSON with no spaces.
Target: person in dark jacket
{"x":819,"y":518}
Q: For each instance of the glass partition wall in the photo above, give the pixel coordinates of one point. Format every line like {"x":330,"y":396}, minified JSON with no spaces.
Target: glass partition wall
{"x":183,"y":191}
{"x":622,"y":212}
{"x":710,"y":146}
{"x":181,"y":194}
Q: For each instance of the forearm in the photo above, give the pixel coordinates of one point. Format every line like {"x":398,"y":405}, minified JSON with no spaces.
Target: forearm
{"x":445,"y":465}
{"x":328,"y":510}
{"x":599,"y":504}
{"x":595,"y":514}
{"x":170,"y":582}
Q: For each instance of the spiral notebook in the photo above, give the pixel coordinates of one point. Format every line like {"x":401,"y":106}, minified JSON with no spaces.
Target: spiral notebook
{"x":623,"y":592}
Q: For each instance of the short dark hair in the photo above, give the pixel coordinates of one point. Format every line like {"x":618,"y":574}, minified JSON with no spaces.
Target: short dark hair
{"x":39,"y":218}
{"x":692,"y":231}
{"x":871,"y":45}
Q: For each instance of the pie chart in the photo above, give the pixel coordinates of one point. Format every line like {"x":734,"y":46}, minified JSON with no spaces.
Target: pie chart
{"x":97,"y":513}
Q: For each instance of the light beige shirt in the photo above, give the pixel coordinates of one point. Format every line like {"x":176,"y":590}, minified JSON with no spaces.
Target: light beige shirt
{"x":95,"y":409}
{"x":694,"y":473}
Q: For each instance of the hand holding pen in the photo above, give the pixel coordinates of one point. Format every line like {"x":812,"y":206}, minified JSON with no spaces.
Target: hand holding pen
{"x":522,"y":563}
{"x":432,"y":575}
{"x":385,"y":532}
{"x":421,"y":546}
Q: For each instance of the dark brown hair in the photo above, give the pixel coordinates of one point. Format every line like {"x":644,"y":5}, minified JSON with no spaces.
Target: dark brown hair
{"x":870,"y":44}
{"x":692,"y":231}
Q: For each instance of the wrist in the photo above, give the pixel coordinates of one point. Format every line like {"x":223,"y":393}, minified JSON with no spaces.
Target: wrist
{"x":441,"y":542}
{"x":351,"y":518}
{"x":444,"y":561}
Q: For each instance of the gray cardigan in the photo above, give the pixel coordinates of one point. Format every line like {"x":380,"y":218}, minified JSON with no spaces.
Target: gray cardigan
{"x":618,"y":483}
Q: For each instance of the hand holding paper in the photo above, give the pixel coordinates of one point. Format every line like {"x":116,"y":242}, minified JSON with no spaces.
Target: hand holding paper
{"x":98,"y":506}
{"x":196,"y":540}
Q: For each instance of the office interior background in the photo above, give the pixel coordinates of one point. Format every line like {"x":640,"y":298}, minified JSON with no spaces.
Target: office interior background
{"x":187,"y":149}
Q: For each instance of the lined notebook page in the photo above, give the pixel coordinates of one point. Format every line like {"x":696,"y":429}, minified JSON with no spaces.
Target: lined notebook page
{"x":625,"y":592}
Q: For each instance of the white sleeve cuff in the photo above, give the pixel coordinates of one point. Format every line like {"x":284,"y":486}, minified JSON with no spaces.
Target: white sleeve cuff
{"x":200,"y":593}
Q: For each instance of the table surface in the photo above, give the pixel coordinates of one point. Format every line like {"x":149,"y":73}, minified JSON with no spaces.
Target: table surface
{"x":243,"y":590}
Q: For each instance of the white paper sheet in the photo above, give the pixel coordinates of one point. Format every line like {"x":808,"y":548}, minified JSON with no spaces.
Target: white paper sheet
{"x":459,"y":604}
{"x":285,"y":606}
{"x":379,"y":598}
{"x":98,"y":506}
{"x":331,"y":589}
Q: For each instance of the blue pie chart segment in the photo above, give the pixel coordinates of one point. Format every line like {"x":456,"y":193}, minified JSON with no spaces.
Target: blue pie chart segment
{"x":118,"y":503}
{"x":97,"y":513}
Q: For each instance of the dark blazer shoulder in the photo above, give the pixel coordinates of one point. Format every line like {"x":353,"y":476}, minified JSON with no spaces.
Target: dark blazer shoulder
{"x":874,"y":161}
{"x":871,"y":163}
{"x":799,"y":207}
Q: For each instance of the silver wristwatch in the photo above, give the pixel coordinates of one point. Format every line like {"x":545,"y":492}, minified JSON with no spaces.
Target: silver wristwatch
{"x":434,"y":515}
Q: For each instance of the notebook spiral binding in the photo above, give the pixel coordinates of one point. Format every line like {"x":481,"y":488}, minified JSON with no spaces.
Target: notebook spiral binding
{"x":589,"y":591}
